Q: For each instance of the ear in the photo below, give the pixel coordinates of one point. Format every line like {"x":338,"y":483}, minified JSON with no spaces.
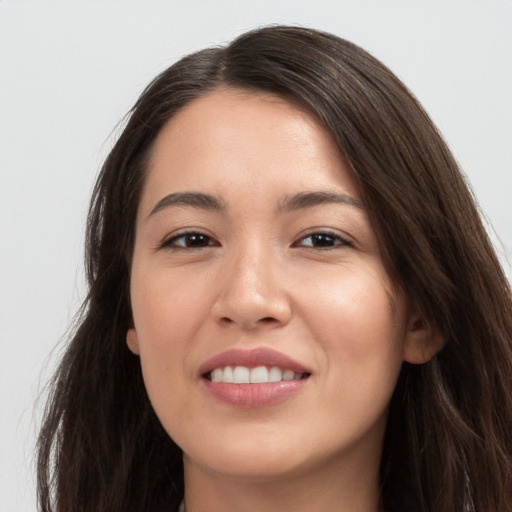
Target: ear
{"x":132,"y":340}
{"x":422,"y":341}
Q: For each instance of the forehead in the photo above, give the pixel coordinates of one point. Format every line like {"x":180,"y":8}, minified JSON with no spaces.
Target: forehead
{"x":235,"y":140}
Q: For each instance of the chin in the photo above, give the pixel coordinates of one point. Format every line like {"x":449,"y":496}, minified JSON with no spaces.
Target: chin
{"x":251,"y":457}
{"x":260,"y":467}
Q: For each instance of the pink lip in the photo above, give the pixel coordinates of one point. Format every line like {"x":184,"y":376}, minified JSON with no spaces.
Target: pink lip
{"x":251,"y":359}
{"x":252,"y":395}
{"x":249,"y":396}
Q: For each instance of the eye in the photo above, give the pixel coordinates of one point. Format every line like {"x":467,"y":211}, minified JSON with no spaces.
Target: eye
{"x":189,"y":240}
{"x":322,"y":240}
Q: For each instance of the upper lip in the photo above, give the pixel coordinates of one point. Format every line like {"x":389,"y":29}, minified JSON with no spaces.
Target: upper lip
{"x":251,"y":359}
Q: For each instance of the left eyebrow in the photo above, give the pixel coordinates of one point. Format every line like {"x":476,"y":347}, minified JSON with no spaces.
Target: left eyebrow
{"x":192,"y":199}
{"x":310,"y":199}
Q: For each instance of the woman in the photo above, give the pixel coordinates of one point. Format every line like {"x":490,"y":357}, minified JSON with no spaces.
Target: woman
{"x":293,"y":303}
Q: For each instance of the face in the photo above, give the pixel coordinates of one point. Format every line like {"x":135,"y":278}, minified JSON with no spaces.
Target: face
{"x":269,"y":333}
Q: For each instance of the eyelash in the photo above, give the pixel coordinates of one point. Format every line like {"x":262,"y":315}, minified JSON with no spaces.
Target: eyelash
{"x":334,"y":239}
{"x":171,"y":242}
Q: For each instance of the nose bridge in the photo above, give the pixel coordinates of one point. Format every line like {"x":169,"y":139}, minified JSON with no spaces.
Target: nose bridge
{"x":253,"y":262}
{"x":252,"y":293}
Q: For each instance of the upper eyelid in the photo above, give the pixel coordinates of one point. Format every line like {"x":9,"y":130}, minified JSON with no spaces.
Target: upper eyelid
{"x":325,"y":231}
{"x":344,"y":238}
{"x":166,"y":241}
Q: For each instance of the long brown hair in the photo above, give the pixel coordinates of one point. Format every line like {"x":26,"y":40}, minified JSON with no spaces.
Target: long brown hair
{"x":448,"y":445}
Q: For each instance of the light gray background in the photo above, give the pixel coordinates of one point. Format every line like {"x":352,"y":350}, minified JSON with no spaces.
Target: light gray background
{"x":69,"y":70}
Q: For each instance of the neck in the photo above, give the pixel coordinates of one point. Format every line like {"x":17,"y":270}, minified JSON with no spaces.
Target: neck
{"x":331,"y":487}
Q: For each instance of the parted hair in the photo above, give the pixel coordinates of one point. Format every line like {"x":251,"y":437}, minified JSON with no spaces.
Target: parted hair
{"x":448,"y":442}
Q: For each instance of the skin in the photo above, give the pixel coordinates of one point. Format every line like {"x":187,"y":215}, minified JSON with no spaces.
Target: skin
{"x":257,"y":278}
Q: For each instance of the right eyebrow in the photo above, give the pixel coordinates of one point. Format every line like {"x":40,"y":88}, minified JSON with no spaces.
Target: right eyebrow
{"x":315,"y":198}
{"x":193,"y":199}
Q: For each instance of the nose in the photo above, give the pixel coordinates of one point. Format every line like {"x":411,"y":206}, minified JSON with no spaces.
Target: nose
{"x":252,"y":292}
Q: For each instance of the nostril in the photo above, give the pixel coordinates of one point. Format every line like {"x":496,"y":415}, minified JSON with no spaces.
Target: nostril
{"x":226,"y":320}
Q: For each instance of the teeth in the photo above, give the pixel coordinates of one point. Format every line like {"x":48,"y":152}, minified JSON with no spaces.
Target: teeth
{"x":275,"y":374}
{"x":241,"y":375}
{"x":227,"y":375}
{"x":217,"y":375}
{"x":258,"y":375}
{"x":288,"y":375}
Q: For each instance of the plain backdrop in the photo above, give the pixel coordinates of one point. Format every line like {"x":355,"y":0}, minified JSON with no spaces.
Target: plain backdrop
{"x":70,"y":70}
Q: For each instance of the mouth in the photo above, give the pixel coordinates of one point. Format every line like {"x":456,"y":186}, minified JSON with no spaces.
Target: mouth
{"x":256,"y":375}
{"x":253,"y":378}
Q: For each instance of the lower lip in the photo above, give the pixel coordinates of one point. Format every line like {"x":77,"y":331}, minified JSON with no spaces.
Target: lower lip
{"x":254,"y":395}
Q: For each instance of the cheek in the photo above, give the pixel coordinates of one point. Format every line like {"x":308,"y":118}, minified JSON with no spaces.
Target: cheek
{"x":360,"y":327}
{"x":161,"y":314}
{"x":168,"y":306}
{"x":170,"y":310}
{"x":362,"y":345}
{"x":353,"y":299}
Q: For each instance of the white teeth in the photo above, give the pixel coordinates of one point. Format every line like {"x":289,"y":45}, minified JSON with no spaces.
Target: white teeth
{"x":258,"y":375}
{"x":275,"y":374}
{"x":241,"y":375}
{"x":288,"y":375}
{"x":228,"y":375}
{"x":217,"y":375}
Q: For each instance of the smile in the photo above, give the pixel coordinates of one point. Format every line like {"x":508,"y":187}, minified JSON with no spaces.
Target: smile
{"x":252,"y":378}
{"x":258,"y":375}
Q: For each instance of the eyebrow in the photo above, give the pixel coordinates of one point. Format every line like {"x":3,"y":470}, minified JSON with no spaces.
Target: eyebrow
{"x":310,"y":199}
{"x":290,"y":203}
{"x":194,"y":199}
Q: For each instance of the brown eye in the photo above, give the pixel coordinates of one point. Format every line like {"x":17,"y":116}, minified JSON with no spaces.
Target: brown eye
{"x":322,"y":241}
{"x":191,"y":240}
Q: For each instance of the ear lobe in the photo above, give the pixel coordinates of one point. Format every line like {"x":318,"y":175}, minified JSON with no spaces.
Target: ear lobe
{"x":132,"y":340}
{"x":422,"y":341}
